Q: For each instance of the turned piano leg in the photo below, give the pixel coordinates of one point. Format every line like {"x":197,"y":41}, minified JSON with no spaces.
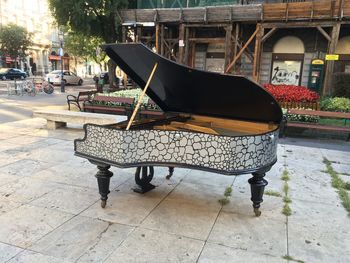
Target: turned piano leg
{"x":103,"y":177}
{"x":143,"y":178}
{"x":257,"y":186}
{"x":171,"y":171}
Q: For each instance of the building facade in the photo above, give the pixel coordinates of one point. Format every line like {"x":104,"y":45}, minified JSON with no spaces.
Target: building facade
{"x":297,"y":42}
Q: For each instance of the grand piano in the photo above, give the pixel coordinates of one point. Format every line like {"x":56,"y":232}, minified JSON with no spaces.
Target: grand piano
{"x":212,"y":122}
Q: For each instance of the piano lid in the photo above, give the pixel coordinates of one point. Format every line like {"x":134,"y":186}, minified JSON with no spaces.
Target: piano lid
{"x":178,"y":88}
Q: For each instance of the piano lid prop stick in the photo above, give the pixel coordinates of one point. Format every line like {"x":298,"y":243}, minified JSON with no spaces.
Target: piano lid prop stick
{"x":141,"y":97}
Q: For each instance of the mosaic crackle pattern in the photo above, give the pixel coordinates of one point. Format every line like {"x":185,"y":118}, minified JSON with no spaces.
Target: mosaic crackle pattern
{"x":223,"y":153}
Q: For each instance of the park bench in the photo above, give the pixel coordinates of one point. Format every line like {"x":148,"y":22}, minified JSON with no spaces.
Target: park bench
{"x":109,"y":104}
{"x":80,"y":99}
{"x":317,"y":126}
{"x":149,"y":111}
{"x":60,"y":118}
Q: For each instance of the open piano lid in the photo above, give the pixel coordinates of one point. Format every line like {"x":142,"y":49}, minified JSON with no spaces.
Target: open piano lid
{"x":178,"y":88}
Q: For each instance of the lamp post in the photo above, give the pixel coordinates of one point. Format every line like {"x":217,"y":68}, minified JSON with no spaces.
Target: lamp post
{"x":60,"y":35}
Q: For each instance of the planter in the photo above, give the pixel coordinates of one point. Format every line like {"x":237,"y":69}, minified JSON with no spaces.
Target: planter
{"x":299,"y":105}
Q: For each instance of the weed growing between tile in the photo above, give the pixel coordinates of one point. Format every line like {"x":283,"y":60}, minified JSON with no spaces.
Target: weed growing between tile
{"x":339,"y":184}
{"x":287,"y":211}
{"x":227,"y":194}
{"x":273,"y":193}
{"x":289,"y":258}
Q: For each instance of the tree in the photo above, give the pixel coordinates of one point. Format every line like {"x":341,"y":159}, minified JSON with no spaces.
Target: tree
{"x":97,"y":18}
{"x":14,"y":42}
{"x":84,"y":47}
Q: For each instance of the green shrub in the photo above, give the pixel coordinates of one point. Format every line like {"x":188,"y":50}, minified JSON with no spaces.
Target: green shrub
{"x":335,"y":104}
{"x":341,"y":85}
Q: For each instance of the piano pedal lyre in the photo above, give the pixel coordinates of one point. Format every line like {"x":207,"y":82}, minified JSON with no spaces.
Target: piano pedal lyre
{"x":143,"y":179}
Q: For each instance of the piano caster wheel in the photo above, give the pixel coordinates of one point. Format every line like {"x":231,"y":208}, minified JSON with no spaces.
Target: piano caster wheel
{"x":257,"y":212}
{"x":171,"y":171}
{"x":103,"y":203}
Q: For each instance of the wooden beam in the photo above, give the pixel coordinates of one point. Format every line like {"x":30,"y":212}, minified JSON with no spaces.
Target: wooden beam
{"x":181,"y":40}
{"x":247,"y":51}
{"x":187,"y":45}
{"x":298,"y":24}
{"x":162,"y":40}
{"x":208,"y":40}
{"x":324,"y":33}
{"x":242,"y":50}
{"x":157,"y":38}
{"x":269,"y":34}
{"x":257,"y":52}
{"x":330,"y":64}
{"x":228,"y":45}
{"x":205,"y":25}
{"x":237,"y":44}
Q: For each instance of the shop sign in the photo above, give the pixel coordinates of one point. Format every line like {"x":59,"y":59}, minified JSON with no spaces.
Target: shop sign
{"x":317,"y":62}
{"x":332,"y":57}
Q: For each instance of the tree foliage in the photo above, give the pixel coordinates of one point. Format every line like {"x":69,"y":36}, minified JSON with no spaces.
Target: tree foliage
{"x":96,"y":18}
{"x":85,"y":47}
{"x":14,"y":41}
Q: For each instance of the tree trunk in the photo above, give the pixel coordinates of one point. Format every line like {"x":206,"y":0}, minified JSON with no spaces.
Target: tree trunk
{"x":111,"y":74}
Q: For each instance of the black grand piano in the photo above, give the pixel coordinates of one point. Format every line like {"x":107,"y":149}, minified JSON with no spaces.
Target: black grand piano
{"x":213,"y":122}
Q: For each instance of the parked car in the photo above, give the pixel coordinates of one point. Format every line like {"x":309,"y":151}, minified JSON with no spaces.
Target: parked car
{"x":12,"y":73}
{"x":54,"y":77}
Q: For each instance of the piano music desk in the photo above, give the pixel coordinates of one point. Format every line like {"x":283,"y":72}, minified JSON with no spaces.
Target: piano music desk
{"x":60,"y":118}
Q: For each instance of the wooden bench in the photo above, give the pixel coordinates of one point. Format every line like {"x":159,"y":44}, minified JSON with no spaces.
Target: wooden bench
{"x":149,"y":113}
{"x":109,"y":104}
{"x":326,"y":114}
{"x":81,"y":98}
{"x":60,"y":118}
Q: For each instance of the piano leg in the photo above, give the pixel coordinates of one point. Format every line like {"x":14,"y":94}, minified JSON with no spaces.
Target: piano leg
{"x":103,"y":177}
{"x":257,"y":186}
{"x":171,"y":171}
{"x":143,"y":179}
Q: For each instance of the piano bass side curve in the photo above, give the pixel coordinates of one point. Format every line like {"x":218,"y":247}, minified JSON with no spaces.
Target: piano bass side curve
{"x":187,"y":138}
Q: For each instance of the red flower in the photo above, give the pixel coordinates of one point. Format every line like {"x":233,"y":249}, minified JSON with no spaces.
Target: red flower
{"x":291,"y":93}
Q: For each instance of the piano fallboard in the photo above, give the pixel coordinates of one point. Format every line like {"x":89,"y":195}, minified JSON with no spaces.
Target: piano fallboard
{"x":230,"y":155}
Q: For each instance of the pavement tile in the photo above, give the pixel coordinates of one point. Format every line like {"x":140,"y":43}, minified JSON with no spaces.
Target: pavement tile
{"x":253,"y":234}
{"x":222,"y":254}
{"x":341,"y":157}
{"x":31,"y":257}
{"x":79,"y":238}
{"x":314,"y":186}
{"x":199,"y":194}
{"x":50,"y":155}
{"x":70,"y":199}
{"x":7,"y":178}
{"x":7,"y":205}
{"x":4,"y":136}
{"x":318,"y":232}
{"x":145,"y":245}
{"x":202,"y":177}
{"x":26,"y":190}
{"x":106,"y":243}
{"x":127,"y":207}
{"x":26,"y":224}
{"x":79,"y":172}
{"x":183,"y":218}
{"x":341,"y":168}
{"x":24,"y":168}
{"x":8,"y":251}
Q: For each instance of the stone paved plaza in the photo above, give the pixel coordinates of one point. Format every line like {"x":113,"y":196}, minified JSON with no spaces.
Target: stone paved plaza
{"x":50,"y":209}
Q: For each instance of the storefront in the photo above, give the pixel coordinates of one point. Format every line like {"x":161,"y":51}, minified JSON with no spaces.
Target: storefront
{"x":287,"y":61}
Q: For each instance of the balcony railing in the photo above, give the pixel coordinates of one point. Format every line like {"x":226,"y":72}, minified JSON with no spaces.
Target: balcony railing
{"x":151,"y":4}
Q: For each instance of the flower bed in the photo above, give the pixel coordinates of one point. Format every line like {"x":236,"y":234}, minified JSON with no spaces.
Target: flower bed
{"x":290,"y":96}
{"x":131,"y":93}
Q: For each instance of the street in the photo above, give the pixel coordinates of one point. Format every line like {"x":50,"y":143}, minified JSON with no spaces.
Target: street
{"x":14,"y":107}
